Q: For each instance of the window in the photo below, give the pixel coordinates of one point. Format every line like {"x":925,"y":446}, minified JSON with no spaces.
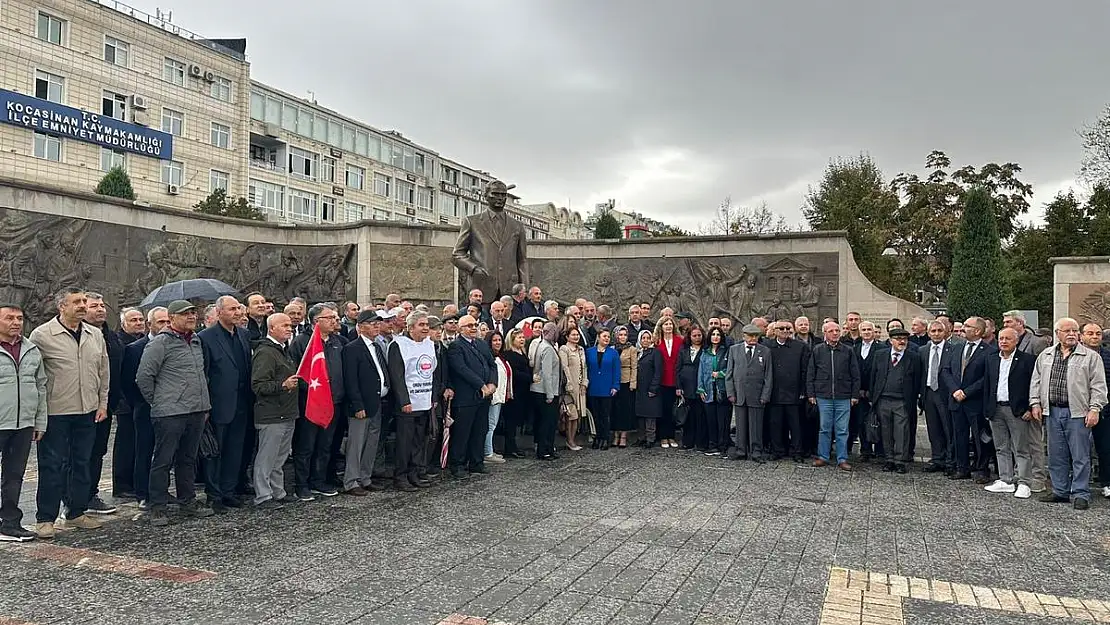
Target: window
{"x":304,"y":123}
{"x":273,"y":111}
{"x":450,"y":175}
{"x":327,"y":169}
{"x":469,"y":181}
{"x":221,"y":135}
{"x":405,"y":192}
{"x":356,"y":176}
{"x":448,"y":205}
{"x":173,"y":172}
{"x":424,"y":198}
{"x":48,"y":147}
{"x":221,"y":89}
{"x":218,"y":180}
{"x":289,"y":117}
{"x":114,"y":105}
{"x":397,"y":159}
{"x":173,"y":121}
{"x":117,"y":52}
{"x":469,"y":208}
{"x":374,"y":149}
{"x":420,"y":167}
{"x":174,"y":71}
{"x":410,"y":160}
{"x":49,"y":86}
{"x":302,"y":205}
{"x":382,"y":215}
{"x":381,"y":184}
{"x":360,"y":143}
{"x":327,"y":209}
{"x":303,"y":163}
{"x":354,"y":212}
{"x":112,"y":158}
{"x":258,"y":106}
{"x":335,"y":131}
{"x":267,"y":196}
{"x":320,"y":129}
{"x":387,"y":152}
{"x":51,"y":29}
{"x":348,"y":139}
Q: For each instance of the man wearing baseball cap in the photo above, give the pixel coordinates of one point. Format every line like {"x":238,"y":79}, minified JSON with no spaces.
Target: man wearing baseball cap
{"x":366,"y":382}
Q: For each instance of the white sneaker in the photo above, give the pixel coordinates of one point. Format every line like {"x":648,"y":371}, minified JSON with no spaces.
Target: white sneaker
{"x":1106,"y":491}
{"x":1023,"y":492}
{"x":1000,"y":487}
{"x":495,"y":459}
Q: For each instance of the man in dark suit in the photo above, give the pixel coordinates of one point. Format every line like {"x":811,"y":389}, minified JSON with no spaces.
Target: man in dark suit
{"x":492,"y":248}
{"x":934,"y":397}
{"x":473,"y":376}
{"x":865,"y":348}
{"x":1009,"y":372}
{"x":499,"y":321}
{"x":157,"y":319}
{"x":227,"y":353}
{"x":895,"y":385}
{"x":964,"y":376}
{"x":749,"y":381}
{"x":312,"y":443}
{"x":789,"y":358}
{"x":366,"y":382}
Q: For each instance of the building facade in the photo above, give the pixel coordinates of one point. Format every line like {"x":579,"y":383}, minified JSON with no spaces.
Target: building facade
{"x":87,"y":87}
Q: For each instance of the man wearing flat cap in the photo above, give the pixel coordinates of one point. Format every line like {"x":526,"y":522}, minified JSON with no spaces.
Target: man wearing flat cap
{"x":492,"y":249}
{"x":366,"y":382}
{"x":748,"y":384}
{"x":894,"y":388}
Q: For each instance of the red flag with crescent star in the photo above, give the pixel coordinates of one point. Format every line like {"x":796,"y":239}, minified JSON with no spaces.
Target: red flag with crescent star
{"x":319,"y":408}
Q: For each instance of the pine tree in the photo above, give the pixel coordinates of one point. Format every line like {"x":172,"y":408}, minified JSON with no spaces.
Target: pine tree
{"x":607,"y":227}
{"x":978,"y":285}
{"x":217,"y":203}
{"x":116,"y":183}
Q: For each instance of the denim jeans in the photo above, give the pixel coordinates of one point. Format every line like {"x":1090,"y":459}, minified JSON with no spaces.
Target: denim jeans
{"x":494,"y":417}
{"x":835,"y":414}
{"x":63,"y":460}
{"x":1069,"y":454}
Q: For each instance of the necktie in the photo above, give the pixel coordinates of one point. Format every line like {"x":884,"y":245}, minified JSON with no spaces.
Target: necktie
{"x":894,"y":359}
{"x":934,"y":367}
{"x":751,"y":353}
{"x":967,"y":356}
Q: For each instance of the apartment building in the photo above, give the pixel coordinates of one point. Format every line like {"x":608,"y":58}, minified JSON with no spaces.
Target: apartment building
{"x":87,"y":85}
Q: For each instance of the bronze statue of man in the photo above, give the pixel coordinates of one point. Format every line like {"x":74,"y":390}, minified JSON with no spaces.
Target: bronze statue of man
{"x":492,"y":249}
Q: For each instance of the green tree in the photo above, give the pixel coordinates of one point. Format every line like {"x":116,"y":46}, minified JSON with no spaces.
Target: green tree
{"x":978,"y":284}
{"x":1098,"y":215}
{"x":607,"y":227}
{"x":217,"y":203}
{"x":853,"y":196}
{"x":1030,"y":275}
{"x":116,"y":183}
{"x":670,"y":231}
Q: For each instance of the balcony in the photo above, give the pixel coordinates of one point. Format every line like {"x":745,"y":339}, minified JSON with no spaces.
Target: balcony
{"x":266,"y":165}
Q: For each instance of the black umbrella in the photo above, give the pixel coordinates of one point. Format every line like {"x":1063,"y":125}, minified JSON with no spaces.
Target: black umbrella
{"x":206,"y":289}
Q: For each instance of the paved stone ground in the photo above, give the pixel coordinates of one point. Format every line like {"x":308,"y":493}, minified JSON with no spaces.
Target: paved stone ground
{"x":619,"y":536}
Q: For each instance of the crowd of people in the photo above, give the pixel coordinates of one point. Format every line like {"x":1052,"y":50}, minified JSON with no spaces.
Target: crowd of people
{"x":230,"y":395}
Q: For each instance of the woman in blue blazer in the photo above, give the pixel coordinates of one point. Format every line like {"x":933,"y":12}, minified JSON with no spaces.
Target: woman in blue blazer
{"x":603,"y":370}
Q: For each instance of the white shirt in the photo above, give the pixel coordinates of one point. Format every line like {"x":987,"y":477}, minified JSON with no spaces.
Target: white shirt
{"x":865,"y":349}
{"x":934,"y":358}
{"x":377,"y":365}
{"x":1004,"y":376}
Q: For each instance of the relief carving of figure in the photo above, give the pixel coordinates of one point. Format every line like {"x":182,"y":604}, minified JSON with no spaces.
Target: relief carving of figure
{"x":808,"y":297}
{"x":246,"y":275}
{"x":778,"y":311}
{"x":745,"y":298}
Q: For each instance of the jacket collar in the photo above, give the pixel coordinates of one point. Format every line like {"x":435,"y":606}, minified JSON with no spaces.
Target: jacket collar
{"x":58,"y":328}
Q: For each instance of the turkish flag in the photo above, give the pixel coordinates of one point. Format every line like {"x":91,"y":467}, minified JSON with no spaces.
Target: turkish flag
{"x":319,"y":408}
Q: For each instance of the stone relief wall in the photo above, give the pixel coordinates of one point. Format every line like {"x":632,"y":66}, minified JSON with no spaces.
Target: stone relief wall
{"x":41,"y":253}
{"x":1090,"y":303}
{"x":419,"y":273}
{"x":774,"y":285}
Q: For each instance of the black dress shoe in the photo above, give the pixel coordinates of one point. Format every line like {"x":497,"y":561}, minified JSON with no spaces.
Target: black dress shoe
{"x":421,"y":483}
{"x":546,"y":457}
{"x":1081,"y":504}
{"x":479,"y":469}
{"x":232,"y":502}
{"x":888,"y":467}
{"x":960,"y":475}
{"x":900,"y":469}
{"x":596,"y":444}
{"x":459,"y":474}
{"x":932,"y":468}
{"x":1051,"y":497}
{"x":554,"y":456}
{"x":405,"y":486}
{"x":518,"y":454}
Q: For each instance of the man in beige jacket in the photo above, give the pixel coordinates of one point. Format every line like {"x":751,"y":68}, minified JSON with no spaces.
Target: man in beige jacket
{"x":77,"y":378}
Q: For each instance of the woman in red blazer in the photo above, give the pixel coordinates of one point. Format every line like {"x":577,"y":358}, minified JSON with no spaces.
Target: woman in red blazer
{"x":669,"y":343}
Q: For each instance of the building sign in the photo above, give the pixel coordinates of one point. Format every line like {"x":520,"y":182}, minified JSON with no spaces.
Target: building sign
{"x":70,"y":123}
{"x":474,"y":195}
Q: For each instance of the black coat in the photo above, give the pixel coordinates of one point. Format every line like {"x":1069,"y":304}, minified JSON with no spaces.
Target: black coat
{"x":229,"y":388}
{"x":472,"y":366}
{"x":114,"y":346}
{"x":1021,"y":374}
{"x":648,"y":375}
{"x":788,"y":365}
{"x":923,"y":354}
{"x":973,"y":380}
{"x":865,"y":363}
{"x":361,"y":383}
{"x":132,"y":354}
{"x":686,"y":373}
{"x":832,"y":373}
{"x":911,"y":377}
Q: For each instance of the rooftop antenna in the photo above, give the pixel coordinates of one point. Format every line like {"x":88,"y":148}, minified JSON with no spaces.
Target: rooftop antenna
{"x":312,"y":96}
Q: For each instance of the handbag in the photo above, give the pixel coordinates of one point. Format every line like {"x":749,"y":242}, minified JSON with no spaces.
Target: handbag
{"x":209,"y":445}
{"x":681,"y":411}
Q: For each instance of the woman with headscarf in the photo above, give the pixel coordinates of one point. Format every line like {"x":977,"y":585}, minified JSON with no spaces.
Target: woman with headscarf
{"x":516,"y":411}
{"x":668,"y":343}
{"x":624,"y":408}
{"x":573,"y":359}
{"x":546,"y":392}
{"x":714,"y":437}
{"x":648,"y":368}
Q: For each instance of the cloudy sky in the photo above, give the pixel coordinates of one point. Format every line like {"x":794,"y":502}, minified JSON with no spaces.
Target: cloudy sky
{"x":670,"y":106}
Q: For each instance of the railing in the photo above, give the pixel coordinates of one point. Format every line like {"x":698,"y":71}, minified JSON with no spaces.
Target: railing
{"x":166,"y":25}
{"x":267,"y":165}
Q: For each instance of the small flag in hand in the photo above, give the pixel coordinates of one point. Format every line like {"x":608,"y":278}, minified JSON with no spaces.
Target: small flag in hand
{"x":319,"y":408}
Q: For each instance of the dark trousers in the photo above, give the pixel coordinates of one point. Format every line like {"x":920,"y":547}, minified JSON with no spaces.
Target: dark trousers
{"x":869,"y":442}
{"x":1101,"y":435}
{"x":311,"y":451}
{"x":749,"y":431}
{"x":982,"y":445}
{"x":718,"y":419}
{"x":123,"y":455}
{"x":811,"y":427}
{"x":410,"y":447}
{"x":221,"y":474}
{"x":15,"y":446}
{"x":786,"y":421}
{"x":512,"y":416}
{"x":547,"y":422}
{"x":468,"y":436}
{"x":63,"y":458}
{"x":602,"y":410}
{"x":176,"y":442}
{"x":939,"y":426}
{"x":664,"y":428}
{"x":245,"y":483}
{"x":333,"y":474}
{"x":695,"y":420}
{"x":963,"y":424}
{"x":144,"y":451}
{"x":100,"y":449}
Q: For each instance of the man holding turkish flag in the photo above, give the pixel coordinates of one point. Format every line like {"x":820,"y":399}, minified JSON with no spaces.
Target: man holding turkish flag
{"x":321,"y":372}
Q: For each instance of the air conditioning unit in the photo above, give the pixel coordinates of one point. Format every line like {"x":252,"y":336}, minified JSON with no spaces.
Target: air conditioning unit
{"x":173,"y":189}
{"x":140,"y":118}
{"x":138,"y":102}
{"x":195,"y":71}
{"x":209,"y":76}
{"x":272,"y":130}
